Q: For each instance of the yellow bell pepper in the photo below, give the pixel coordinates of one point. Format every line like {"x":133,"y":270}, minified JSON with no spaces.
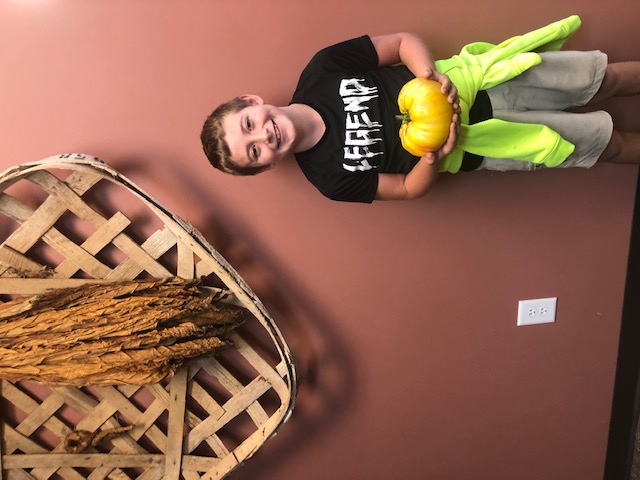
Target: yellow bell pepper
{"x":426,"y":116}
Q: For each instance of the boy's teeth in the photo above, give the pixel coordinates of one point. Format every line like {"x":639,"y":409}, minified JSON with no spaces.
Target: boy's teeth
{"x":277,"y":130}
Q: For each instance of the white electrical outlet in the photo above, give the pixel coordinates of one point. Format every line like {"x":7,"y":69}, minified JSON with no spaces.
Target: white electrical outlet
{"x":534,"y":312}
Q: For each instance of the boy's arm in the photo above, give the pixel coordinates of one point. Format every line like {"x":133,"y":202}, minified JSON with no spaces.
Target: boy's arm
{"x":410,"y":49}
{"x":416,"y":183}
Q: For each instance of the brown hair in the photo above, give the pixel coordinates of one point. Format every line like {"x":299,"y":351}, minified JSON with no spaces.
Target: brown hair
{"x":214,"y":144}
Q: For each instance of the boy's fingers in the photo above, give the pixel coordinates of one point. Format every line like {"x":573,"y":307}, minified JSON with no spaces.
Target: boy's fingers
{"x":452,"y":140}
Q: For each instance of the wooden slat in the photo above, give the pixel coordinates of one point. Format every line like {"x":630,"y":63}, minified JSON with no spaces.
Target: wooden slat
{"x":66,"y":195}
{"x":33,"y":286}
{"x":18,"y":475}
{"x":140,"y":256}
{"x":34,"y":419}
{"x":90,"y":460}
{"x":260,"y":364}
{"x":241,"y":401}
{"x":17,"y":262}
{"x":39,"y":225}
{"x":17,"y":441}
{"x":119,"y":402}
{"x":186,"y":263}
{"x":96,"y":242}
{"x":42,"y":416}
{"x":108,"y":472}
{"x":154,"y":247}
{"x":175,"y":429}
{"x":74,"y":253}
{"x":50,"y":210}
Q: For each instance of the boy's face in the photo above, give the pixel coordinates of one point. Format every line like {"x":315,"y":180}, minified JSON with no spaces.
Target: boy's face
{"x":259,"y":134}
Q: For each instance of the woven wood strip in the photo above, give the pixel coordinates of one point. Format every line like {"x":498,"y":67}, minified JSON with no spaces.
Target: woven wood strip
{"x":48,"y":460}
{"x":186,"y":261}
{"x":48,"y":213}
{"x":34,"y":420}
{"x":145,"y":258}
{"x":39,"y":224}
{"x":177,"y":410}
{"x":205,"y":421}
{"x":102,"y":237}
{"x":118,"y":402}
{"x":24,"y":237}
{"x":14,"y":262}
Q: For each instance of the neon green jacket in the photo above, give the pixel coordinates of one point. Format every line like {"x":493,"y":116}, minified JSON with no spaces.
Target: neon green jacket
{"x":480,"y":66}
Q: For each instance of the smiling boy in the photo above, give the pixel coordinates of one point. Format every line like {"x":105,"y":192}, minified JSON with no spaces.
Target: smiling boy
{"x":261,"y":135}
{"x":340,"y":124}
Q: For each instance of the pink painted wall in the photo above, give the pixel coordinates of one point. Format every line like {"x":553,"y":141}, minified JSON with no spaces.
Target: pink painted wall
{"x":402,"y":315}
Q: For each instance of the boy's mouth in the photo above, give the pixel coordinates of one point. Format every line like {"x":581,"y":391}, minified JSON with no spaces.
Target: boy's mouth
{"x":276,"y":129}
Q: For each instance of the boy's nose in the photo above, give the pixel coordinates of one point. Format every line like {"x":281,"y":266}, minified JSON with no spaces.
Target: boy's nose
{"x":264,"y":135}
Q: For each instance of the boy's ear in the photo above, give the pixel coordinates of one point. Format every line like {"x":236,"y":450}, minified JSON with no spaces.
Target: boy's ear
{"x":252,"y":99}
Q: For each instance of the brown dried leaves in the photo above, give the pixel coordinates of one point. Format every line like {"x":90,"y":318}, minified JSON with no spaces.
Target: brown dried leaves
{"x":136,"y":332}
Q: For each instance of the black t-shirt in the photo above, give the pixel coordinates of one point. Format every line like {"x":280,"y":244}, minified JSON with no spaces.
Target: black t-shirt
{"x":358,"y":102}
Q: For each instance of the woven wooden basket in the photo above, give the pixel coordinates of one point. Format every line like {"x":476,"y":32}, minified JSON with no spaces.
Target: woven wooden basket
{"x":65,"y":223}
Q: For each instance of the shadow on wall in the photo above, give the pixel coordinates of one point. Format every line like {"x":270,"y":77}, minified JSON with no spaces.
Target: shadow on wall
{"x":325,"y":369}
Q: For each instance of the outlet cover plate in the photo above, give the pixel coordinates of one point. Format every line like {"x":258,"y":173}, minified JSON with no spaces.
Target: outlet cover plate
{"x":537,"y":311}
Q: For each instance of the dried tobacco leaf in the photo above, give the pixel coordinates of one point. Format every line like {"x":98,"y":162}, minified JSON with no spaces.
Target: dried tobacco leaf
{"x":136,"y":332}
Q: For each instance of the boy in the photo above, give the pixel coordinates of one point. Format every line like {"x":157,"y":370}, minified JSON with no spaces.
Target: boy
{"x":341,"y":127}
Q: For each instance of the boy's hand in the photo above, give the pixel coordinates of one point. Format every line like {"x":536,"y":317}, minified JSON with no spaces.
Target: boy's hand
{"x":449,"y":145}
{"x":448,"y":88}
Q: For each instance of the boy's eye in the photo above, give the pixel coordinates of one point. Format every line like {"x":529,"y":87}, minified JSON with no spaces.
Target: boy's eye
{"x":248,"y":124}
{"x":254,"y":152}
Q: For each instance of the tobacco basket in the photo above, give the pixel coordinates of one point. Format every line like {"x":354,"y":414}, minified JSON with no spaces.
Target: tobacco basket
{"x":213,"y":415}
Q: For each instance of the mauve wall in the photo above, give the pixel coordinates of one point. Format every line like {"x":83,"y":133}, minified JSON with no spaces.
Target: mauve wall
{"x":403,"y":315}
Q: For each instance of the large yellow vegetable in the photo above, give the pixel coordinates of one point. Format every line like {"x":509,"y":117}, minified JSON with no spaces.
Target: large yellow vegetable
{"x":426,"y":116}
